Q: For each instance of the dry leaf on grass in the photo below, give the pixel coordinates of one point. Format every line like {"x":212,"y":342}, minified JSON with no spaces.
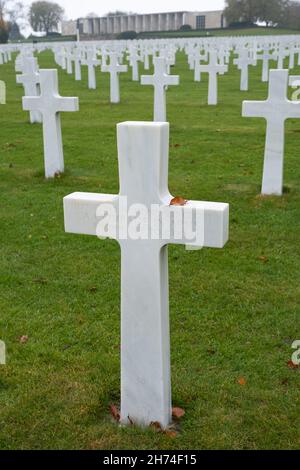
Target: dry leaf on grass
{"x":23,"y":339}
{"x":263,"y":259}
{"x":178,"y":413}
{"x":242,"y":381}
{"x":292,"y":365}
{"x":114,"y":411}
{"x":171,"y":434}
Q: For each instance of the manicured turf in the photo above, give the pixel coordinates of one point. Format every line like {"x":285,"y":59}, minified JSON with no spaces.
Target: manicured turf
{"x":234,"y":312}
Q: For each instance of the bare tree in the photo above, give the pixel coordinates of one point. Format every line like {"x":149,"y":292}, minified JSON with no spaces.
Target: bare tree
{"x":45,"y":16}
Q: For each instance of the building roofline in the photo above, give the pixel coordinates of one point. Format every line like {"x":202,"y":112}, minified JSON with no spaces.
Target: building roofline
{"x":150,"y":14}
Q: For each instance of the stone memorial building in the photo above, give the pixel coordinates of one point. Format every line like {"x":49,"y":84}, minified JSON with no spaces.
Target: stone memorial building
{"x":145,"y":23}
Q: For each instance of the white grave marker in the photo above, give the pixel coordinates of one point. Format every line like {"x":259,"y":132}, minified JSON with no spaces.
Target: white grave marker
{"x":276,"y":109}
{"x":92,"y":62}
{"x":160,"y":80}
{"x":243,"y":62}
{"x":213,"y":69}
{"x":114,"y":68}
{"x":50,"y":104}
{"x":30,"y":80}
{"x":145,"y":336}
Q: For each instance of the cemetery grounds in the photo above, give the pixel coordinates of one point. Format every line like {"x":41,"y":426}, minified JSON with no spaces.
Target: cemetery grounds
{"x":234,"y":312}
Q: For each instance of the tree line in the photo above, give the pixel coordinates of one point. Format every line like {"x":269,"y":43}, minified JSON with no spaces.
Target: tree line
{"x":42,"y":16}
{"x":282,"y":13}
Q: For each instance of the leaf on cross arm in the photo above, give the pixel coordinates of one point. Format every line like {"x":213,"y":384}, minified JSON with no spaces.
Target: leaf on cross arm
{"x":178,"y":201}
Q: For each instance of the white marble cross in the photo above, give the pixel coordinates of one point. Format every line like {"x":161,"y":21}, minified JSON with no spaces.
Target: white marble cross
{"x":198,"y":58}
{"x":160,"y":80}
{"x":114,"y":69}
{"x":276,"y":109}
{"x":134,"y":59}
{"x":266,"y":56}
{"x":213,"y":69}
{"x":91,"y":61}
{"x":243,"y":62}
{"x":69,"y":60}
{"x":50,"y":104}
{"x":30,"y":80}
{"x":145,"y":336}
{"x":77,"y":60}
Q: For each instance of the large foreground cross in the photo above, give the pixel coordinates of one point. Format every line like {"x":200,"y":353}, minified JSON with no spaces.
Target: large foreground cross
{"x":160,"y":81}
{"x":50,"y":104}
{"x":276,"y":110}
{"x":145,"y":335}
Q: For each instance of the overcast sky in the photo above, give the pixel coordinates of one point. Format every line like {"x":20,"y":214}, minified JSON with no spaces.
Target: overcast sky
{"x":78,"y":8}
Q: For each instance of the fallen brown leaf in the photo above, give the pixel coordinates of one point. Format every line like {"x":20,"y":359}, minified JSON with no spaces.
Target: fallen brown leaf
{"x":263,"y":259}
{"x":242,"y":381}
{"x":178,"y":201}
{"x":171,"y":434}
{"x":23,"y":339}
{"x":114,"y":411}
{"x":156,"y":425}
{"x":292,"y":365}
{"x":178,"y":413}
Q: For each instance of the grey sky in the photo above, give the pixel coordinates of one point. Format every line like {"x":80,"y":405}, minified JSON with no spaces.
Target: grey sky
{"x":78,"y":8}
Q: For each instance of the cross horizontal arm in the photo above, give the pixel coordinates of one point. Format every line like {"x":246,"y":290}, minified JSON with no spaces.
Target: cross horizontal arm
{"x":80,"y":211}
{"x":67,"y":104}
{"x":147,"y":80}
{"x":210,"y":223}
{"x":259,"y":109}
{"x":32,"y":103}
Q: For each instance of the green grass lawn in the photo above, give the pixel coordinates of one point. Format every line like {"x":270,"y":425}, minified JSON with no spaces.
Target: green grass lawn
{"x":234,"y":312}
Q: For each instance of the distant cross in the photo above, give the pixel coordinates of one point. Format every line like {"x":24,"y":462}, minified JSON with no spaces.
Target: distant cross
{"x":266,"y":56}
{"x":69,"y":59}
{"x":145,"y":334}
{"x":292,"y":53}
{"x":2,"y":92}
{"x":114,"y":69}
{"x":276,"y":110}
{"x":30,"y":79}
{"x":50,"y":104}
{"x":243,"y":62}
{"x":134,"y":59}
{"x":281,"y":55}
{"x":213,"y":69}
{"x":160,"y":80}
{"x":77,"y":60}
{"x":91,"y":61}
{"x":198,"y":58}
